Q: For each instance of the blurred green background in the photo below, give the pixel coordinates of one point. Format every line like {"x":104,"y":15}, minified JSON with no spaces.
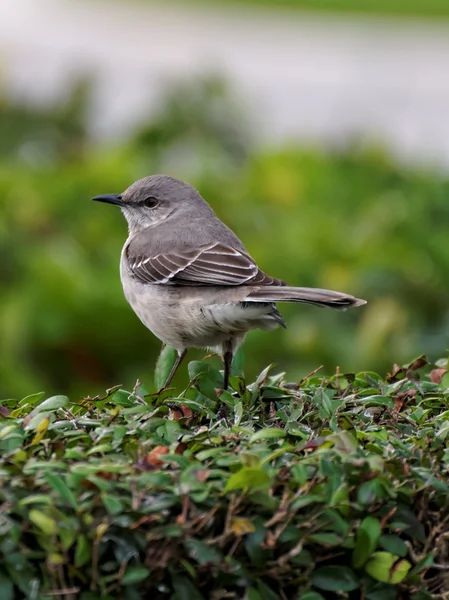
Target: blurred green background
{"x":350,"y":219}
{"x":412,"y":8}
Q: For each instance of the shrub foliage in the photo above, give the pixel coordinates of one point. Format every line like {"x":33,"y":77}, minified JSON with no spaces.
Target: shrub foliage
{"x":334,"y":487}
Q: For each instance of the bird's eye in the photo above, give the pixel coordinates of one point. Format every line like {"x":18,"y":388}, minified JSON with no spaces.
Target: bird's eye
{"x":150,"y":202}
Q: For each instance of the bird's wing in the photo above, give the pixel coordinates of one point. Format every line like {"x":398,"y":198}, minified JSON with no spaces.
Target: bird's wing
{"x":212,"y":264}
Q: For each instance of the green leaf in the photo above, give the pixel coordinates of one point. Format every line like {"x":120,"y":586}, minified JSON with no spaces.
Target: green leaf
{"x":43,"y":521}
{"x":135,"y":574}
{"x":32,"y":399}
{"x":367,"y":537}
{"x":38,"y":422}
{"x":401,"y":569}
{"x":252,"y":594}
{"x":238,"y":413}
{"x":10,"y":431}
{"x":268,"y":433}
{"x":185,"y":590}
{"x":280,"y":451}
{"x":335,"y":579}
{"x":57,"y":483}
{"x":266,"y":592}
{"x":421,"y":595}
{"x":50,"y":404}
{"x":67,"y":537}
{"x":344,"y":441}
{"x":263,"y":376}
{"x":122,"y":398}
{"x":100,"y":449}
{"x":375,"y":590}
{"x":203,"y":553}
{"x":370,"y":491}
{"x":386,"y":567}
{"x":206,"y":378}
{"x":326,"y":539}
{"x":164,"y":365}
{"x":303,"y":501}
{"x":311,"y":596}
{"x":209,"y":453}
{"x":6,"y":588}
{"x":424,"y":563}
{"x":36,"y":499}
{"x":248,"y":478}
{"x":238,"y":363}
{"x":112,"y":504}
{"x":83,"y":551}
{"x":393,"y":544}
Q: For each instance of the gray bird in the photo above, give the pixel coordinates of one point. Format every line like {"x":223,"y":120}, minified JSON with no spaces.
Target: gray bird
{"x":189,"y":278}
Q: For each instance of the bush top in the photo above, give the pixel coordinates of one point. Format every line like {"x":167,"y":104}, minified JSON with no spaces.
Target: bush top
{"x":332,"y":487}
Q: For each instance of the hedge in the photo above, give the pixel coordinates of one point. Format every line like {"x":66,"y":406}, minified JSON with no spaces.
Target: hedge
{"x":331,"y":487}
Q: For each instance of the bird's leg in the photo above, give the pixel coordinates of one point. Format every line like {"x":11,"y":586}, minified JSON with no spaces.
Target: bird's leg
{"x":227,"y":360}
{"x":174,"y":368}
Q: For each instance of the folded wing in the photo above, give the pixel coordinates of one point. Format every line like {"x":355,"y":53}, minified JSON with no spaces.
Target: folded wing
{"x":214,"y":264}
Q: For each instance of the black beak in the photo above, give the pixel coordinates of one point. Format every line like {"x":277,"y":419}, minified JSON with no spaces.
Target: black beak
{"x":110,"y":199}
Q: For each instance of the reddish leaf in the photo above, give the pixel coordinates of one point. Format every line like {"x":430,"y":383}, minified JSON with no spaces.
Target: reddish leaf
{"x":152,"y":460}
{"x":398,"y":404}
{"x":406,"y":469}
{"x":181,"y":448}
{"x":407,"y":371}
{"x":4,"y":412}
{"x":418,"y":363}
{"x":270,"y":540}
{"x":403,"y":398}
{"x":312,"y":444}
{"x":181,"y":412}
{"x":437,"y":375}
{"x":106,"y":475}
{"x":89,"y":485}
{"x":202,"y":475}
{"x":92,"y":485}
{"x":397,"y":370}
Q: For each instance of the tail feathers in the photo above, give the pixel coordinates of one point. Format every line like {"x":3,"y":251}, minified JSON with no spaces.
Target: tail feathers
{"x":314,"y":296}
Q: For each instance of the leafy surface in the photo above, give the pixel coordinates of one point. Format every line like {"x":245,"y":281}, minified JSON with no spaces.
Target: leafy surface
{"x":335,"y":486}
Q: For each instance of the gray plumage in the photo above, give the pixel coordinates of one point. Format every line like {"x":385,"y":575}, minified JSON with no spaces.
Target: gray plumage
{"x":190,"y":279}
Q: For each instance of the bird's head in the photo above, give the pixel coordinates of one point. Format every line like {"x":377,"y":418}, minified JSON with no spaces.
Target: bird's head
{"x":151,"y":200}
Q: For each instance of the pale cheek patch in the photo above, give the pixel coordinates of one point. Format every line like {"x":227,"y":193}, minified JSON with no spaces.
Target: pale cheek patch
{"x":139,"y":218}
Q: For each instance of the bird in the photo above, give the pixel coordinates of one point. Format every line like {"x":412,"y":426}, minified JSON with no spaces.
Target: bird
{"x":190,"y":279}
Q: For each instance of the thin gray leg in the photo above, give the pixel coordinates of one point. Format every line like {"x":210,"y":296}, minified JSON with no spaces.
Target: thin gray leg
{"x":174,"y":368}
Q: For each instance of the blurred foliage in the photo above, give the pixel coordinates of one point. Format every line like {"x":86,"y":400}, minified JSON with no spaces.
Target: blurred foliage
{"x":410,"y":8}
{"x":335,"y":487}
{"x":194,"y":126}
{"x":48,"y":134}
{"x":351,"y":221}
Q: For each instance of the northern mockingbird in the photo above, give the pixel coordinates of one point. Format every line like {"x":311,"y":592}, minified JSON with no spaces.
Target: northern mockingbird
{"x":190,"y":279}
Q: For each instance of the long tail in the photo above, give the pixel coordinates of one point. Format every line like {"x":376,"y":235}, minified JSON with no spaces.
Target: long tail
{"x":314,"y":296}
